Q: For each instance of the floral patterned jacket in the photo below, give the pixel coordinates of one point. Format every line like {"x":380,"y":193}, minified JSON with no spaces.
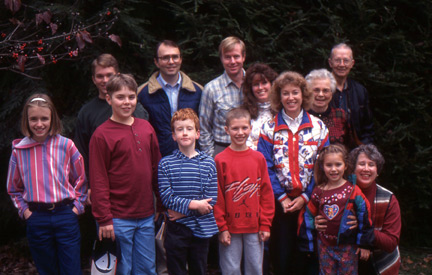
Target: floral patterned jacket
{"x":291,"y":156}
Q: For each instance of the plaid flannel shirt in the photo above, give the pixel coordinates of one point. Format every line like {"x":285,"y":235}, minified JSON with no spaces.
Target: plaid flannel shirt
{"x":336,"y":121}
{"x":218,"y":97}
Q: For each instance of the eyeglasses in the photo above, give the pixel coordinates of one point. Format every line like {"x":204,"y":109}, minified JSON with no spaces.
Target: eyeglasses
{"x":339,"y":61}
{"x":324,"y":91}
{"x":166,"y":58}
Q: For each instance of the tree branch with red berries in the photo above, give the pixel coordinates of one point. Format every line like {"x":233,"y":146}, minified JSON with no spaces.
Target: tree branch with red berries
{"x":32,"y":37}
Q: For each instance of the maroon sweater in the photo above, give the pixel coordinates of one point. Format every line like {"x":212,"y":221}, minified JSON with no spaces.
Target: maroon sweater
{"x":123,"y":171}
{"x":388,"y":237}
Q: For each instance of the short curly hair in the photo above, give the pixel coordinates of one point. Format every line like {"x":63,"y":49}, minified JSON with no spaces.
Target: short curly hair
{"x":371,"y":151}
{"x":183,"y":114}
{"x":322,"y":74}
{"x":289,"y":78}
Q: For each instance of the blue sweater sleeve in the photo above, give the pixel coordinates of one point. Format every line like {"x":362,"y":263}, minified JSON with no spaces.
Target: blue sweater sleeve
{"x":308,"y":192}
{"x":306,"y":227}
{"x":365,"y":235}
{"x":169,"y":199}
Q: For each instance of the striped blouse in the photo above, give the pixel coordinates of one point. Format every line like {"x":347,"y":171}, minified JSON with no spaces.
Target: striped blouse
{"x":47,"y":172}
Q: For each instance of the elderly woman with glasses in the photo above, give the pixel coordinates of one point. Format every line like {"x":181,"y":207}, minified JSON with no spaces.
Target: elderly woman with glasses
{"x":323,"y":85}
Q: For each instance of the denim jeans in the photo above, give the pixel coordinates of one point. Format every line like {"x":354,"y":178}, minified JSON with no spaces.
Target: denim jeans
{"x":136,"y":240}
{"x":54,"y":240}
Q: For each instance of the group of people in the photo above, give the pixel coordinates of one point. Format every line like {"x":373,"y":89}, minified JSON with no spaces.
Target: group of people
{"x":259,"y":159}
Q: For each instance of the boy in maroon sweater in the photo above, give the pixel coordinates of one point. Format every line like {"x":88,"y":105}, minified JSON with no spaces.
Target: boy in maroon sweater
{"x":245,"y":204}
{"x":124,"y":155}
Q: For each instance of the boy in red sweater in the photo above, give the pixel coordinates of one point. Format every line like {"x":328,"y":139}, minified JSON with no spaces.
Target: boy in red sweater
{"x":245,"y":204}
{"x":124,"y":156}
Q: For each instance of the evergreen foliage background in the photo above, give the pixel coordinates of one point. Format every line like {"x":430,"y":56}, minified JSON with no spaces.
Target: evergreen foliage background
{"x":391,"y":40}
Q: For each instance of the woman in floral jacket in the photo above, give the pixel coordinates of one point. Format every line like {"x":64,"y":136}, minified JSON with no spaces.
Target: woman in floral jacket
{"x":290,"y":143}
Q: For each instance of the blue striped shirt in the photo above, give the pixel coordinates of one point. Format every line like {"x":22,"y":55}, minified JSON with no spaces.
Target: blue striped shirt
{"x":183,"y":179}
{"x":218,"y":97}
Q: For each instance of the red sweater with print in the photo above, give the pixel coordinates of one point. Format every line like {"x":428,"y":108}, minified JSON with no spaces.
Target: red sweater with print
{"x":245,"y":201}
{"x":123,"y":171}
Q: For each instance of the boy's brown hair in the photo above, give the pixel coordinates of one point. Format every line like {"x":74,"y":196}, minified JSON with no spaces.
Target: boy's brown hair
{"x":40,"y":100}
{"x":237,"y":113}
{"x":105,"y":60}
{"x":183,"y":114}
{"x":119,"y":81}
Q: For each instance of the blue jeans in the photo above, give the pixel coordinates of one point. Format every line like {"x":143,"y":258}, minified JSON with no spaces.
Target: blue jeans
{"x":136,"y":240}
{"x":54,"y":240}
